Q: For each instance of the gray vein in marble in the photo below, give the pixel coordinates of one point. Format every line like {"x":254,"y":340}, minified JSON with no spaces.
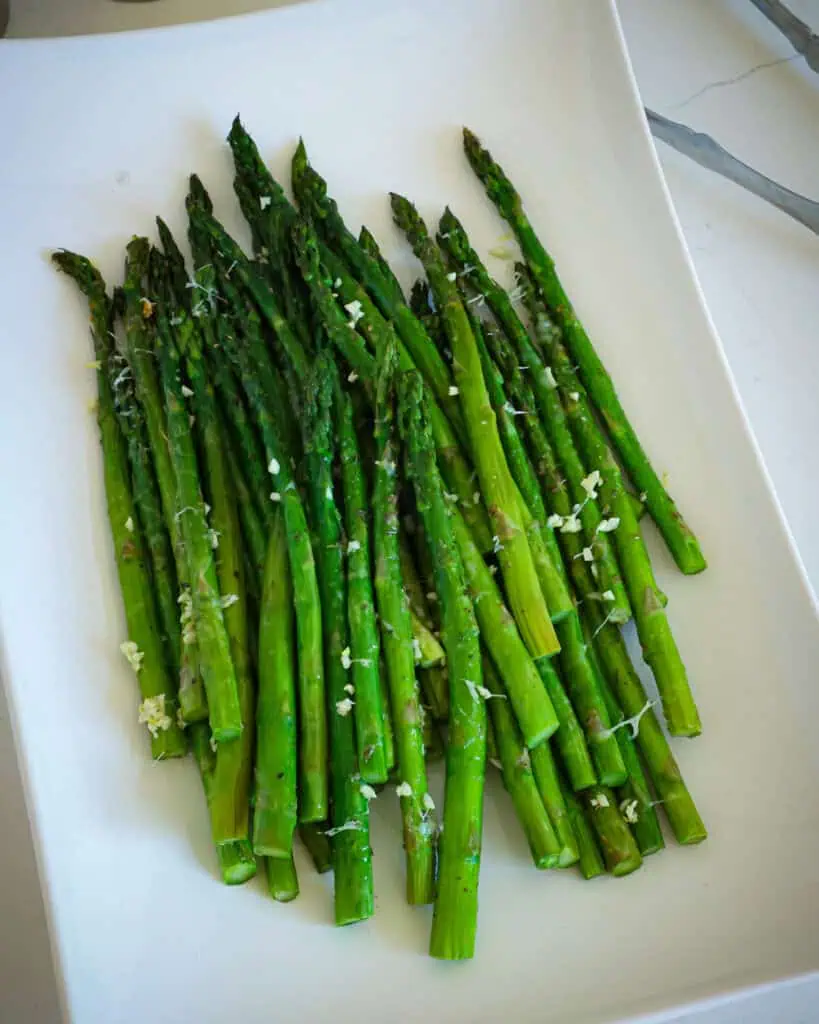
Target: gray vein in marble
{"x":708,"y":153}
{"x":798,"y":34}
{"x":723,"y":82}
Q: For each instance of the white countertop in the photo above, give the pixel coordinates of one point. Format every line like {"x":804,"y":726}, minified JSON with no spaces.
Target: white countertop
{"x":719,"y":67}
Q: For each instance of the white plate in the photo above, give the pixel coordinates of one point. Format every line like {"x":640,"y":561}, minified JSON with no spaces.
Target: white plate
{"x":100,"y":136}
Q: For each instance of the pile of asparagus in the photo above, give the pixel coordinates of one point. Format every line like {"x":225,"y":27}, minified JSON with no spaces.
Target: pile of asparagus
{"x":357,"y":531}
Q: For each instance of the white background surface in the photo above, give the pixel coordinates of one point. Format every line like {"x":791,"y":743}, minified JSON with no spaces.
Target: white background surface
{"x":759,"y":272}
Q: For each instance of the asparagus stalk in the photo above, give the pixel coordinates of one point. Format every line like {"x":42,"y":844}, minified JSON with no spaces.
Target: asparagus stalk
{"x":389,"y":731}
{"x":352,"y":857}
{"x":673,"y":794}
{"x":456,"y":906}
{"x":213,"y":643}
{"x":542,"y":544}
{"x":504,"y":505}
{"x":422,"y":308}
{"x":512,"y":348}
{"x":433,"y":679}
{"x":251,"y":280}
{"x":590,"y":861}
{"x":370,"y":246}
{"x":544,"y":330}
{"x":282,"y":880}
{"x":192,"y":697}
{"x":522,"y":469}
{"x":677,"y":534}
{"x":364,"y":645}
{"x":148,"y":505}
{"x":317,"y":845}
{"x":518,"y":776}
{"x":236,"y":861}
{"x":380,"y":333}
{"x":537,"y":717}
{"x":276,"y":777}
{"x":311,"y":194}
{"x":634,"y":797}
{"x":254,"y":531}
{"x":234,"y":760}
{"x":259,"y":385}
{"x":547,"y":779}
{"x":246,"y":442}
{"x":580,"y":674}
{"x":396,"y":631}
{"x":617,"y":844}
{"x":570,"y":738}
{"x":659,"y":647}
{"x":144,"y":648}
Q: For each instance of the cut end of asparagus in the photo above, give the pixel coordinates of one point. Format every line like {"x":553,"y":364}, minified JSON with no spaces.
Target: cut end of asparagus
{"x":237,"y":864}
{"x":169,"y":743}
{"x":453,"y":940}
{"x":282,"y":880}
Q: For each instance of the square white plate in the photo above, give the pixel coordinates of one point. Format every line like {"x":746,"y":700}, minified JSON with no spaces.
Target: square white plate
{"x":98,"y":136}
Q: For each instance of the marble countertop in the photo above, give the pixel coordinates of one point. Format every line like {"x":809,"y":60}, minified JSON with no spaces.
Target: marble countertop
{"x":719,"y":67}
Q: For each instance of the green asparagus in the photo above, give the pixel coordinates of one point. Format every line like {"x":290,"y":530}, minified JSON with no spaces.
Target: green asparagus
{"x":456,"y":906}
{"x":677,"y":534}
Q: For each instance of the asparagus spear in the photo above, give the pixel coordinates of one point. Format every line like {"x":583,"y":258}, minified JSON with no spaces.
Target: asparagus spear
{"x":518,"y":777}
{"x":259,"y":385}
{"x":497,"y":485}
{"x":545,"y":329}
{"x":389,"y":731}
{"x":282,"y":880}
{"x":254,"y":532}
{"x":251,"y":280}
{"x":396,"y":631}
{"x":144,"y":648}
{"x":311,"y":194}
{"x":379,"y":332}
{"x":352,"y":857}
{"x":542,"y":544}
{"x":531,"y":703}
{"x":148,"y":505}
{"x":580,"y":675}
{"x":677,"y":534}
{"x":216,"y":665}
{"x":234,"y":760}
{"x":192,"y":698}
{"x":673,"y":794}
{"x":241,"y":428}
{"x":270,"y":214}
{"x":590,"y":861}
{"x":433,"y":678}
{"x":236,"y":861}
{"x":659,"y":647}
{"x":368,"y":243}
{"x":243,"y":446}
{"x":276,"y":778}
{"x":512,"y":348}
{"x":617,"y":844}
{"x":422,"y":307}
{"x":547,"y":778}
{"x":456,"y":906}
{"x":364,"y":645}
{"x":634,"y":796}
{"x":317,"y":845}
